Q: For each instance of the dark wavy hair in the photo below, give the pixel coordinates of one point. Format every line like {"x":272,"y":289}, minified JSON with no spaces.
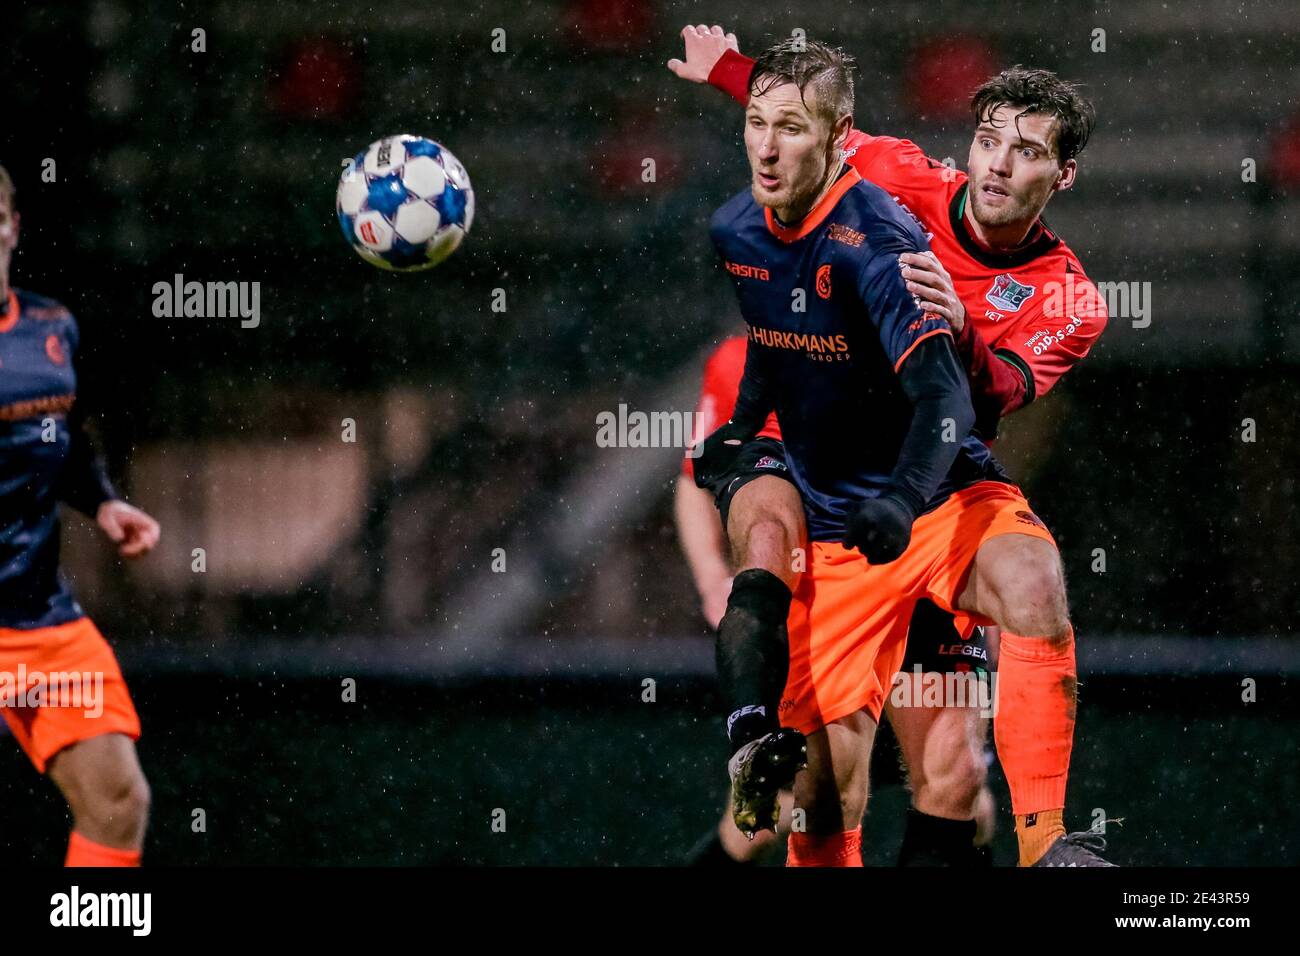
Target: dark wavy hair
{"x":1040,"y":91}
{"x":807,"y":62}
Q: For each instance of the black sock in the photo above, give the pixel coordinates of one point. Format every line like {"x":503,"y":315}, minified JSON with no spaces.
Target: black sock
{"x":934,"y":841}
{"x":753,"y":655}
{"x":709,"y":852}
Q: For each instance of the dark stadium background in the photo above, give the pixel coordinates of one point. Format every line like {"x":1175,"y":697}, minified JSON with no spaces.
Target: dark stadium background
{"x":476,"y":429}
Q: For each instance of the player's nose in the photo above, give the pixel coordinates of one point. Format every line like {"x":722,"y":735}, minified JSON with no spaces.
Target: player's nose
{"x":1001,"y":163}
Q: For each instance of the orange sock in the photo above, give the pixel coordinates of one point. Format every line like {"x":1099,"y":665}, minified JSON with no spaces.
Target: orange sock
{"x":1036,"y":832}
{"x":841,"y":849}
{"x":83,"y":852}
{"x":1034,"y":731}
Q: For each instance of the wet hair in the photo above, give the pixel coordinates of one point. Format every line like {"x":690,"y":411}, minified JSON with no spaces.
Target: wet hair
{"x":803,"y":62}
{"x":1040,"y":91}
{"x":7,"y":191}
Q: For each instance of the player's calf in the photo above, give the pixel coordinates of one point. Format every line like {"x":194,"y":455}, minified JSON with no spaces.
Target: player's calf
{"x":832,"y":793}
{"x":946,"y":768}
{"x":764,"y":526}
{"x":1017,"y":580}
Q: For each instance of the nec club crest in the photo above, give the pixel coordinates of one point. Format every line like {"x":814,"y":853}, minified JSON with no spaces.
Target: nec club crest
{"x":1006,"y":293}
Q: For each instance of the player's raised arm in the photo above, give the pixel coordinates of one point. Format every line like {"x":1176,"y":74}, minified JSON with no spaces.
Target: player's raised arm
{"x":705,"y":46}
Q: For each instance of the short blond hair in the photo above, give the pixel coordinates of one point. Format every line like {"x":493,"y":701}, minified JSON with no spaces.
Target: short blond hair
{"x":7,"y":190}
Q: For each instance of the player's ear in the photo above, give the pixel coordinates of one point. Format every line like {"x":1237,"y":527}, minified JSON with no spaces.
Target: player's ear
{"x":840,"y":131}
{"x":1065,"y":179}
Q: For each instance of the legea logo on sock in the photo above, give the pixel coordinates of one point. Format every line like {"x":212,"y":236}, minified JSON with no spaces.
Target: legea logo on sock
{"x":747,"y":709}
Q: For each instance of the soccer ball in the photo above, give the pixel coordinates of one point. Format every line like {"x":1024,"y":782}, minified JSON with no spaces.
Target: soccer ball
{"x":405,"y":203}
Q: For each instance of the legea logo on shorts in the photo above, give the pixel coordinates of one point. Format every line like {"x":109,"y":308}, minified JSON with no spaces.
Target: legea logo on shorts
{"x":73,"y":690}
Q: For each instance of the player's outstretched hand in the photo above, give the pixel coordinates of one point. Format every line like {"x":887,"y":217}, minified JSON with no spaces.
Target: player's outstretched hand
{"x":704,"y":48}
{"x":929,"y":281}
{"x":881,"y":529}
{"x":716,"y":454}
{"x":134,"y":531}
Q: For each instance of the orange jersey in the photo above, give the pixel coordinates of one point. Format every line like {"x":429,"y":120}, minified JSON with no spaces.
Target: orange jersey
{"x":722,"y":373}
{"x":1034,"y":307}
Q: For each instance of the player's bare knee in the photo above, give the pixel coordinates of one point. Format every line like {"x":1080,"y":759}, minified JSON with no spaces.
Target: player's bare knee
{"x":1033,"y":602}
{"x":122,"y":803}
{"x":1046,"y":618}
{"x":137,"y":800}
{"x":768,"y":544}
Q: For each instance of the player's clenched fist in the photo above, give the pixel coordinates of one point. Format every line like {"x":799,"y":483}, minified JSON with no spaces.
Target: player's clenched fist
{"x":704,"y":48}
{"x":134,"y":531}
{"x":881,"y":529}
{"x":718,"y":452}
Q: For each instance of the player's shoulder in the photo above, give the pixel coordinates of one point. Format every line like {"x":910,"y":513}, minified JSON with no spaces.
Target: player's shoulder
{"x":41,"y":308}
{"x":904,"y":150}
{"x":897,"y":163}
{"x":871,"y":213}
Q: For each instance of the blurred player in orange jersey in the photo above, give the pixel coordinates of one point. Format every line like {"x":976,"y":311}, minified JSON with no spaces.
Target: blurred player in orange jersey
{"x":61,"y":690}
{"x":951,"y":763}
{"x":1022,"y":312}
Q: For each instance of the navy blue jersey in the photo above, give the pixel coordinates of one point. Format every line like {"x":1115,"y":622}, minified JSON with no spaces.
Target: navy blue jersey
{"x":830,"y":323}
{"x":44,"y":458}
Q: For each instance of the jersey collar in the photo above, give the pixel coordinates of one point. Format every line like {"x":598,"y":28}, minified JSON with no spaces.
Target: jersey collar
{"x":11,"y":313}
{"x":1042,"y":240}
{"x":817,"y":214}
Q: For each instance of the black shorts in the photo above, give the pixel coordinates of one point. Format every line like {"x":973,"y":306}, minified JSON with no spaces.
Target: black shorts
{"x":757,"y":457}
{"x":933,"y":640}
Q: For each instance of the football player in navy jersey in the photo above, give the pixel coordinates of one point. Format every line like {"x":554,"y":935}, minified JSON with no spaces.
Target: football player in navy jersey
{"x":876,"y":415}
{"x":64,"y":697}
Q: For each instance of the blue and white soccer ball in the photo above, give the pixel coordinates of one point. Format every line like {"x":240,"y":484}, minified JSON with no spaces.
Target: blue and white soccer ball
{"x":405,"y":203}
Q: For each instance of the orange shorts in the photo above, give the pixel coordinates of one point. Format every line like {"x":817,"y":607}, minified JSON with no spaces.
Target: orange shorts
{"x":848,"y":620}
{"x":59,"y":685}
